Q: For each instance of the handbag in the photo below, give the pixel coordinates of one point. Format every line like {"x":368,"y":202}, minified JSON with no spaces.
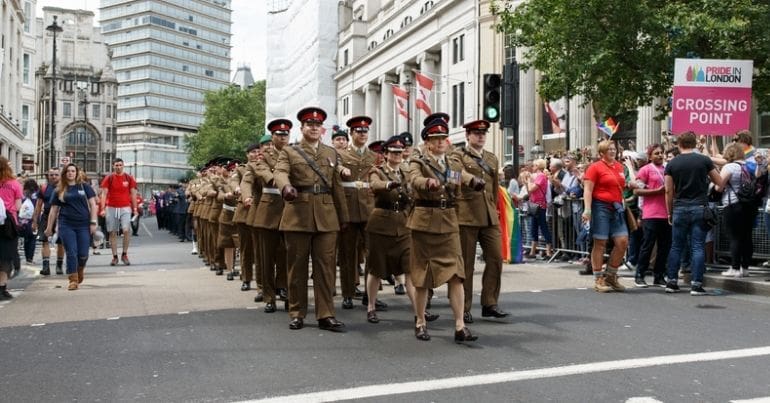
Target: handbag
{"x":631,"y":221}
{"x":532,"y":208}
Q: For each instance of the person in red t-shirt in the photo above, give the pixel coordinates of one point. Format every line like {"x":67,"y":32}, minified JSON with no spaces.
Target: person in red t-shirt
{"x":119,"y":196}
{"x":603,"y":183}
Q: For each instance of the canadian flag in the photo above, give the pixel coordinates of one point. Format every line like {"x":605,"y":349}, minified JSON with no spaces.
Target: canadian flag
{"x":424,"y":87}
{"x":402,"y":98}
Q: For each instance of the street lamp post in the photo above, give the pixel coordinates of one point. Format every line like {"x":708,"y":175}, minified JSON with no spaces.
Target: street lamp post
{"x":136,"y":152}
{"x":83,"y":106}
{"x":53,"y":28}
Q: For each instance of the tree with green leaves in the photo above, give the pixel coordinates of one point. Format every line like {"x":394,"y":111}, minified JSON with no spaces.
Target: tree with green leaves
{"x":620,"y":54}
{"x":234,"y":118}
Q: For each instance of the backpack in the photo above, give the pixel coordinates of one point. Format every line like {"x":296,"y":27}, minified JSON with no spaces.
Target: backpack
{"x":750,"y":190}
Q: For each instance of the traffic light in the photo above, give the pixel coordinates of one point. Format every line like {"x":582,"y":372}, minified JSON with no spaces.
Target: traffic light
{"x":492,"y":89}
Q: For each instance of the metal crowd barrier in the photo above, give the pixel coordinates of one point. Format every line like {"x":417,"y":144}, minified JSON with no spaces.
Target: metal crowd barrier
{"x":565,"y":226}
{"x":759,"y":236}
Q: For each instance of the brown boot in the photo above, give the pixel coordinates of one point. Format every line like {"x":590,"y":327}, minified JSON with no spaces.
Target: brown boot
{"x":611,"y":279}
{"x":600,"y":285}
{"x":73,"y":282}
{"x":81,"y":274}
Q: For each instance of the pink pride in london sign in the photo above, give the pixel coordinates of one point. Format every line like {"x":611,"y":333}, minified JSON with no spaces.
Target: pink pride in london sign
{"x":711,"y":97}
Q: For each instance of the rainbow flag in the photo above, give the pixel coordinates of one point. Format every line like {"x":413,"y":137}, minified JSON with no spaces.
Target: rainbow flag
{"x":510,"y":231}
{"x":608,"y":127}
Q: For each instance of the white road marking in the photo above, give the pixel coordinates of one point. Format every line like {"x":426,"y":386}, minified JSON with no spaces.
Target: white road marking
{"x":756,"y":400}
{"x":535,"y":290}
{"x":643,"y":399}
{"x":114,"y":318}
{"x":37,"y":324}
{"x":390,"y":389}
{"x":183,"y":313}
{"x":146,"y":230}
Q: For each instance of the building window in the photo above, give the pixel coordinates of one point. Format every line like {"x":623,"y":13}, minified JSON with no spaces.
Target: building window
{"x":345,"y":106}
{"x":108,"y":115}
{"x":407,"y":20}
{"x":210,"y":73}
{"x":764,"y":130}
{"x":27,"y":15}
{"x":95,"y":87}
{"x":96,"y":111}
{"x":66,"y":109}
{"x":25,"y":119}
{"x":185,"y":67}
{"x":25,"y":68}
{"x":458,"y":103}
{"x":68,"y":86}
{"x":345,"y":57}
{"x":458,"y":49}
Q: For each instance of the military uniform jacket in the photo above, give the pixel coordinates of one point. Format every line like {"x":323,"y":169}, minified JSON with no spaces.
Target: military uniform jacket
{"x":270,"y":206}
{"x":435,"y":220}
{"x":478,"y":209}
{"x":215,"y":208}
{"x":250,"y":188}
{"x":359,"y":198}
{"x":390,"y":206}
{"x":205,"y":199}
{"x":241,"y":211}
{"x":311,"y":211}
{"x":229,"y":204}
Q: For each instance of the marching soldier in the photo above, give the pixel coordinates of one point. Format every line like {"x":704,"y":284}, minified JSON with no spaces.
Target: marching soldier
{"x":272,"y":248}
{"x":313,"y":214}
{"x":216,"y":255}
{"x":228,"y":231}
{"x":357,"y":161}
{"x":386,"y":227}
{"x":340,"y":138}
{"x":479,"y":221}
{"x":435,"y":257}
{"x":245,"y":242}
{"x":251,"y":191}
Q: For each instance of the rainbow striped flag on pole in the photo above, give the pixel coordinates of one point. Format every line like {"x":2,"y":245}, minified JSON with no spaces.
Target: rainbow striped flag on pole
{"x":510,"y":228}
{"x":609,"y":127}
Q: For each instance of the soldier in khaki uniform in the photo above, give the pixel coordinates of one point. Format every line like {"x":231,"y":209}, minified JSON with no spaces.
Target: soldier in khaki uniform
{"x":357,"y":161}
{"x":435,"y":250}
{"x":268,"y":217}
{"x":203,"y":193}
{"x":227,"y":240}
{"x":313,"y":214}
{"x":245,"y":243}
{"x":251,"y":190}
{"x":340,"y":139}
{"x":479,"y":220}
{"x":215,"y":254}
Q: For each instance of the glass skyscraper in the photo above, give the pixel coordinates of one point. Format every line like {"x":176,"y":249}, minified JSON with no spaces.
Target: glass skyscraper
{"x":166,"y":55}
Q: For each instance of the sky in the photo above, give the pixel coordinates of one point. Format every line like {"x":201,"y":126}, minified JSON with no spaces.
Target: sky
{"x":249,"y":38}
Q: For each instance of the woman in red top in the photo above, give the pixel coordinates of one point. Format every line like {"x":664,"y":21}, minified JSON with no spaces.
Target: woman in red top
{"x":603,"y":183}
{"x":10,"y":196}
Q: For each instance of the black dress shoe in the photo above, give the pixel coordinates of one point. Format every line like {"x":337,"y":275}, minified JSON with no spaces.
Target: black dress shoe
{"x":230,"y":276}
{"x":380,"y":306}
{"x":358,"y":293}
{"x":283,"y":295}
{"x":331,"y":324}
{"x":421,"y":333}
{"x":492,"y":311}
{"x":259,"y":297}
{"x":219,"y":272}
{"x":245,"y":286}
{"x":296,"y":324}
{"x":467,"y":317}
{"x":371,"y":317}
{"x":347,"y":303}
{"x":270,"y":307}
{"x":430,"y":317}
{"x":464,"y":335}
{"x":400,"y":289}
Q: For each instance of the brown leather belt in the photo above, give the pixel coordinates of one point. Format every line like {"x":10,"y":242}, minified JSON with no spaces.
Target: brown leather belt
{"x":442,"y":204}
{"x":389,"y":206}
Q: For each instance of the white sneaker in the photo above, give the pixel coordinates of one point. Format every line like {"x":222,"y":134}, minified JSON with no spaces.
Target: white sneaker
{"x":629,"y":266}
{"x":743,"y":273}
{"x":766,"y":264}
{"x":194,"y":251}
{"x":731,"y":273}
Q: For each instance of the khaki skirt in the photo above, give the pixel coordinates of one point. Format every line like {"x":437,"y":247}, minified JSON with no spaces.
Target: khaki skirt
{"x":225,"y":236}
{"x":435,"y":259}
{"x":388,"y":255}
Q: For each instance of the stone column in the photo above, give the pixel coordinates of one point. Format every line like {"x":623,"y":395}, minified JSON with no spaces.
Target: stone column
{"x":580,"y":122}
{"x":647,"y":128}
{"x":527,"y":105}
{"x":371,"y":97}
{"x":386,"y":121}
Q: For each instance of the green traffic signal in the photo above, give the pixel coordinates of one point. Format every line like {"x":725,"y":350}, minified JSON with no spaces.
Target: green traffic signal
{"x":491,"y":113}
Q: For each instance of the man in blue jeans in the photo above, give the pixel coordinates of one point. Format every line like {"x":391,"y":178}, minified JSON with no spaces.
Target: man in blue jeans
{"x":687,"y":180}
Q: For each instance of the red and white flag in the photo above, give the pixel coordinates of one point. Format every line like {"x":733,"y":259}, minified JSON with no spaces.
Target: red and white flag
{"x":402,"y":99}
{"x":424,"y":88}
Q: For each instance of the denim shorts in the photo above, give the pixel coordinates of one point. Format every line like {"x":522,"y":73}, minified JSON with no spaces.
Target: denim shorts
{"x":606,"y":221}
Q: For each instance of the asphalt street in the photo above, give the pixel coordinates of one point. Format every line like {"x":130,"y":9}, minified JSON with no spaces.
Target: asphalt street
{"x":167,"y":329}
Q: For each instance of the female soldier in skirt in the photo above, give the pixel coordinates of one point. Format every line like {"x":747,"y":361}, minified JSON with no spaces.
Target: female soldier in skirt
{"x":435,"y":251}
